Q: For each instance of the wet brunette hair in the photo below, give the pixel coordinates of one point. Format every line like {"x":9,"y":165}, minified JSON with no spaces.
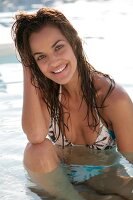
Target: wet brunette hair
{"x":24,"y":26}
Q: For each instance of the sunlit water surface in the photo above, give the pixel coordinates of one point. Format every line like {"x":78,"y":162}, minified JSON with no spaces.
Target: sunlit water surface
{"x":106,"y":30}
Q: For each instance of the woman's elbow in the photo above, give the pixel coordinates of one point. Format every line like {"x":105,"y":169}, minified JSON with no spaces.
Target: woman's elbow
{"x":35,"y":140}
{"x":35,"y":137}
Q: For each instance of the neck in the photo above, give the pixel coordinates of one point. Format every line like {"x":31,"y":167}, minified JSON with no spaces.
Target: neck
{"x":73,"y":89}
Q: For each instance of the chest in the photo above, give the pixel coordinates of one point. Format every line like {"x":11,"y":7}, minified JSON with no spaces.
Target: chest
{"x":78,"y":131}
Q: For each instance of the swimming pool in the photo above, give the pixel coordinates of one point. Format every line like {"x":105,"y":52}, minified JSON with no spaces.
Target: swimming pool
{"x":14,"y":179}
{"x":103,"y":53}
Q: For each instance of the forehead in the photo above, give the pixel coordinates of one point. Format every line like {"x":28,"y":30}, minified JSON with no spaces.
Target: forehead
{"x":45,"y":37}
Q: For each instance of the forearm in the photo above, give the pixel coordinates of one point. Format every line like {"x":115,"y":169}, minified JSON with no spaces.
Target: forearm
{"x":35,"y":117}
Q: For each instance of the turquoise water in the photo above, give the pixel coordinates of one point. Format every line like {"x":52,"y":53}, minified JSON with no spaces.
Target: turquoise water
{"x":8,"y":59}
{"x":106,"y":30}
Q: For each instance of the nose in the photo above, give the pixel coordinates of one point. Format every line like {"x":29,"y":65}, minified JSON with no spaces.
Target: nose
{"x":53,"y":61}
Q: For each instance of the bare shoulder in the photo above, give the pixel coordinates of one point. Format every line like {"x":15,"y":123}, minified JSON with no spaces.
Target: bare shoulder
{"x":103,"y":85}
{"x":119,"y":103}
{"x":113,"y":92}
{"x":118,"y":96}
{"x":117,"y":111}
{"x":115,"y":101}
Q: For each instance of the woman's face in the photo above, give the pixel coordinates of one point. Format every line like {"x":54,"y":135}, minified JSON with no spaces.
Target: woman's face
{"x":53,"y":54}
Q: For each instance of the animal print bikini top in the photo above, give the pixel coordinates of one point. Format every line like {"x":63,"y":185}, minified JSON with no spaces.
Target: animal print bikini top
{"x":105,"y":140}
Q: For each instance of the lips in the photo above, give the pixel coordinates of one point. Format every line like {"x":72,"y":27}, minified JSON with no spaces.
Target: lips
{"x":59,"y":70}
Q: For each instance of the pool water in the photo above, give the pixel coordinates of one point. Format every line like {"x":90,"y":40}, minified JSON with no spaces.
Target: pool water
{"x":109,"y":51}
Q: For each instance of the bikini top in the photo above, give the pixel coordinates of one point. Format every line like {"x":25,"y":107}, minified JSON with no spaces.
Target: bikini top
{"x":105,"y":140}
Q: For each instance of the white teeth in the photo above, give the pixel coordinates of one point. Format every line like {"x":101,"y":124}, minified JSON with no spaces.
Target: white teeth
{"x":60,"y":70}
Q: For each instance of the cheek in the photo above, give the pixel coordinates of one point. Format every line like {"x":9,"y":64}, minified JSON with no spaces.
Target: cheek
{"x":74,"y":60}
{"x":72,"y":56}
{"x":42,"y":67}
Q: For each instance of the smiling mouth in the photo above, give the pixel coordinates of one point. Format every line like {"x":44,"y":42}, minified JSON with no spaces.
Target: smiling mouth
{"x":60,"y":70}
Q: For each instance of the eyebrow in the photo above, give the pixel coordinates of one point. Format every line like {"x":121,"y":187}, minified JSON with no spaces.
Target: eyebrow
{"x":56,"y":43}
{"x":36,"y":53}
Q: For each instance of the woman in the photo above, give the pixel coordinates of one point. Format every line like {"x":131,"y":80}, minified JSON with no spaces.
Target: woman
{"x":67,"y":103}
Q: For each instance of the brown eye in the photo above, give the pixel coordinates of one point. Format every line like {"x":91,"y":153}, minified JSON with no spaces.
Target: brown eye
{"x":41,"y":57}
{"x":58,"y":47}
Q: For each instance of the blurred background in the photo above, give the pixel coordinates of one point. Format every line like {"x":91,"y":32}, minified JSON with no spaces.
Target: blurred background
{"x":105,"y":27}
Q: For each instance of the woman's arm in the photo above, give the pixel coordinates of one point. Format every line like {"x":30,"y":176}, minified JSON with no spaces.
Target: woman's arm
{"x":120,"y":113}
{"x":35,"y":116}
